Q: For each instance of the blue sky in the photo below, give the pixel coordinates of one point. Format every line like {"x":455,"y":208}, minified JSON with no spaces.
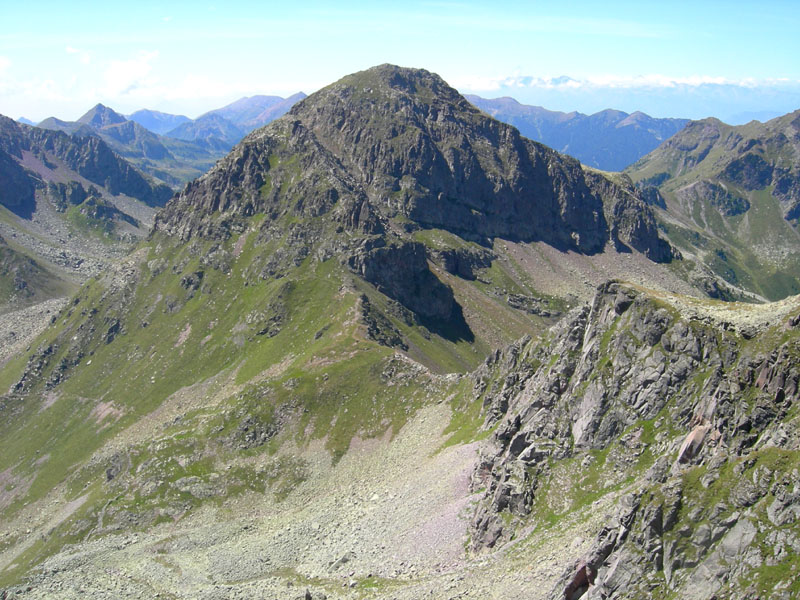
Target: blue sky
{"x":690,"y":59}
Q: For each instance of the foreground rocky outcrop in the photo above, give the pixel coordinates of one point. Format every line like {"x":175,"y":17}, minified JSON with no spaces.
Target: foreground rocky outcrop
{"x":695,"y":422}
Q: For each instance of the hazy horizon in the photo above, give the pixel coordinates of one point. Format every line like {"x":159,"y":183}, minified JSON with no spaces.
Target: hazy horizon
{"x":695,"y":60}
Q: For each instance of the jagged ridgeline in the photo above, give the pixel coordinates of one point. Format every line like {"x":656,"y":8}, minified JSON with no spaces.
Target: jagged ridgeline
{"x":323,"y":283}
{"x":672,"y":425}
{"x":728,"y":198}
{"x":68,"y":205}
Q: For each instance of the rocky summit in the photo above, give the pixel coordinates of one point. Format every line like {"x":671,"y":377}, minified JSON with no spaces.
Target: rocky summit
{"x":390,"y":348}
{"x":393,"y":143}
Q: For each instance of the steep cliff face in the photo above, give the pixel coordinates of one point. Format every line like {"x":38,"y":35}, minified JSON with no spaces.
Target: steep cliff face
{"x":89,"y":156}
{"x":632,"y":227}
{"x":426,"y":154}
{"x":401,"y":144}
{"x":17,"y":187}
{"x":691,"y":421}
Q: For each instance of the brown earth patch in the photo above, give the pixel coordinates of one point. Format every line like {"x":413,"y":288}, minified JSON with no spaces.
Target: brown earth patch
{"x":104,"y":410}
{"x":184,"y":335}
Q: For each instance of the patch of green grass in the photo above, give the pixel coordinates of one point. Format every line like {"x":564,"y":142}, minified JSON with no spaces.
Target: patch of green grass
{"x":378,"y":585}
{"x":466,"y":419}
{"x":439,"y":239}
{"x":71,"y":531}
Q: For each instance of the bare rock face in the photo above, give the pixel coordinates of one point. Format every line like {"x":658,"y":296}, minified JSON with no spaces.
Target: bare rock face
{"x":632,"y":224}
{"x":391,"y":143}
{"x":728,"y":203}
{"x":401,"y":272}
{"x":356,"y":169}
{"x":17,"y":187}
{"x":607,"y":370}
{"x":425,"y":153}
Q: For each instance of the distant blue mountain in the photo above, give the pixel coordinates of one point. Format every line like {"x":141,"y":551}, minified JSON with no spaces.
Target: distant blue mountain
{"x":256,"y":111}
{"x":212,"y":130}
{"x":222,"y":128}
{"x":609,"y":140}
{"x":756,"y":115}
{"x":158,"y":122}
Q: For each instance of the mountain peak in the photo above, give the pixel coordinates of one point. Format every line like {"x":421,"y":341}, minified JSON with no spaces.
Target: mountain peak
{"x":392,"y":80}
{"x":156,"y":121}
{"x":393,"y":144}
{"x":101,"y":116}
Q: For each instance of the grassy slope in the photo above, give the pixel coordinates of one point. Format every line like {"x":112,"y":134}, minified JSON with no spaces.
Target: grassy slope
{"x":758,"y":250}
{"x":288,"y":354}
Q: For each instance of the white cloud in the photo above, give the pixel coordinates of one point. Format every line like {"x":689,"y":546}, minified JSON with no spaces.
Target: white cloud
{"x":83,"y":56}
{"x":34,"y":89}
{"x":5,"y":63}
{"x":123,"y":77}
{"x":610,"y":81}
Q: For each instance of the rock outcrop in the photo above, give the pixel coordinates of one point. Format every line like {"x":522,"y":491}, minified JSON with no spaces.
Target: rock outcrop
{"x":400,"y":144}
{"x":88,"y":156}
{"x":696,"y":416}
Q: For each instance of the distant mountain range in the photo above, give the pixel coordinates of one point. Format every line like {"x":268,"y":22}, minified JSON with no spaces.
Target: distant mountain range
{"x":68,"y":206}
{"x":169,"y":160}
{"x":223,"y":128}
{"x":173,"y":148}
{"x":729,"y":197}
{"x":609,"y":140}
{"x":216,"y":133}
{"x":158,"y":122}
{"x":256,"y":111}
